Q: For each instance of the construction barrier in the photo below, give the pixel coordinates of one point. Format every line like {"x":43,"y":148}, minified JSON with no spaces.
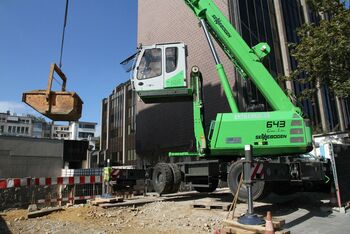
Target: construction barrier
{"x":20,"y":192}
{"x":82,"y":184}
{"x":19,"y":182}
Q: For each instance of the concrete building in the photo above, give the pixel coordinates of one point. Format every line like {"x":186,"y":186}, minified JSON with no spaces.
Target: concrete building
{"x":38,"y":157}
{"x":118,"y":126}
{"x":32,"y":126}
{"x":15,"y":125}
{"x":168,"y":127}
{"x":28,"y":126}
{"x":74,"y":131}
{"x":30,"y":157}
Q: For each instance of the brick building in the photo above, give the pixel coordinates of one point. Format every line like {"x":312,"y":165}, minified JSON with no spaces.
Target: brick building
{"x":169,"y":126}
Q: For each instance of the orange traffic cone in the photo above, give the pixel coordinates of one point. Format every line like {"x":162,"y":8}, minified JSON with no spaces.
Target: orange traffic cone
{"x":269,"y":224}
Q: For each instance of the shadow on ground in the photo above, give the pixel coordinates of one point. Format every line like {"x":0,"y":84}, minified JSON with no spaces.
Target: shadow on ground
{"x":311,"y":202}
{"x":3,"y":226}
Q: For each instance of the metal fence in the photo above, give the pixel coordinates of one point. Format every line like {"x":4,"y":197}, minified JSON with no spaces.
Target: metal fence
{"x":82,"y":172}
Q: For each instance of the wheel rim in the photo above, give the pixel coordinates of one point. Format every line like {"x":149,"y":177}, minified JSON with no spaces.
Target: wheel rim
{"x":160,"y":178}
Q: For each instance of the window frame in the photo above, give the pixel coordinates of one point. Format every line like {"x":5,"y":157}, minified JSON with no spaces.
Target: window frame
{"x":176,"y":59}
{"x":161,"y":63}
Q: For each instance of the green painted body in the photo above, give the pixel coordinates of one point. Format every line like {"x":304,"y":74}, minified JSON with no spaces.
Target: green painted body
{"x":227,"y":88}
{"x":175,"y":81}
{"x":282,"y":131}
{"x":246,"y":60}
{"x":270,"y":133}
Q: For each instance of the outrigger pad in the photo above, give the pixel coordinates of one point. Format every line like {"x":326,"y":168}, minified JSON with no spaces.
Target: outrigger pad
{"x":166,"y":95}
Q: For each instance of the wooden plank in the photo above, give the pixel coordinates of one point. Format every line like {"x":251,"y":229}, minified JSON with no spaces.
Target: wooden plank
{"x":43,"y":212}
{"x":235,"y":224}
{"x":211,"y":205}
{"x":237,"y":230}
{"x":278,"y":223}
{"x":232,"y":230}
{"x":254,"y":228}
{"x":98,"y":201}
{"x":129,"y":203}
{"x":283,"y":232}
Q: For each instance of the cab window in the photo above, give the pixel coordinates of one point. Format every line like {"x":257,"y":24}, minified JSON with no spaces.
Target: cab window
{"x":151,"y":64}
{"x":171,"y":59}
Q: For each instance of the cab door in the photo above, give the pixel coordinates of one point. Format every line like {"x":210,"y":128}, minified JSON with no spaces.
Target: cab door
{"x":175,"y":65}
{"x":149,"y":73}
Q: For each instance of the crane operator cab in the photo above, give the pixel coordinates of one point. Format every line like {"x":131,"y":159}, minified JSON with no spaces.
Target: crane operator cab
{"x":159,"y":73}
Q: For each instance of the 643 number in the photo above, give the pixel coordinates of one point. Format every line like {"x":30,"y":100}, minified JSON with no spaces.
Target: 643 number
{"x":278,"y":124}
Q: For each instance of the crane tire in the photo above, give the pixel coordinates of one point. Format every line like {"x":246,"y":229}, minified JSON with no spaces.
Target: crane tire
{"x":162,"y":178}
{"x":259,"y":189}
{"x":177,"y":177}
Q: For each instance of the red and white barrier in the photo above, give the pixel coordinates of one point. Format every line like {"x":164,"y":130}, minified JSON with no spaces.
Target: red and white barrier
{"x":258,"y":172}
{"x":19,"y":182}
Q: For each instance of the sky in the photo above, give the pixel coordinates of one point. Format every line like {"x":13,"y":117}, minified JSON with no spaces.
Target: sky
{"x":99,"y":35}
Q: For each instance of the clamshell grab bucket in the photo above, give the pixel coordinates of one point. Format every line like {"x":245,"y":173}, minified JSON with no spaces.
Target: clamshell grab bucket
{"x":56,"y":105}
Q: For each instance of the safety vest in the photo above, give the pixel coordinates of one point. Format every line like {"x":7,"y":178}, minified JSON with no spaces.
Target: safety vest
{"x":106,"y":173}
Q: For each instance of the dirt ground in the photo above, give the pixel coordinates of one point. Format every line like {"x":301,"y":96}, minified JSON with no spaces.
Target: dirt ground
{"x":158,"y":217}
{"x":175,"y":215}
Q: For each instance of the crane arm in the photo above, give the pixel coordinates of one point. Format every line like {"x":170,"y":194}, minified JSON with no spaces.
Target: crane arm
{"x":247,"y":61}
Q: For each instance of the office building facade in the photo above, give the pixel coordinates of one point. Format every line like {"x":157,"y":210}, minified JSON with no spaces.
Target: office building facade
{"x":25,"y":126}
{"x":74,"y":131}
{"x":117,"y":139}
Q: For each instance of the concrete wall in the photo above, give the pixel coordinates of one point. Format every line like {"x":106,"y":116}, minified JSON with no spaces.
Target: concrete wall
{"x":169,"y":126}
{"x":30,"y":157}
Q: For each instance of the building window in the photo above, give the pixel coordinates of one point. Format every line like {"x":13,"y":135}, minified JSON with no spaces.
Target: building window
{"x":26,"y":131}
{"x":85,"y":134}
{"x":9,"y":129}
{"x":89,"y":126}
{"x":22,"y":130}
{"x":1,"y":129}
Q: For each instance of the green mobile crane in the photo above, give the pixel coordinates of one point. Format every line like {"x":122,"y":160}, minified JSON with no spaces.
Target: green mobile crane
{"x":278,"y":137}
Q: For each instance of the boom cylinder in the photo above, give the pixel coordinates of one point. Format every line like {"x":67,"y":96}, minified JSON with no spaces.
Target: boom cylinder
{"x":220,"y":69}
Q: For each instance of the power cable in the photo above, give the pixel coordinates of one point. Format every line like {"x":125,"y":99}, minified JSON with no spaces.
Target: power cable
{"x":64,"y":29}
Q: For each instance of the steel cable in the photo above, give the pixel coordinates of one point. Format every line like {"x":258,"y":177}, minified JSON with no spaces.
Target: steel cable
{"x":64,"y":29}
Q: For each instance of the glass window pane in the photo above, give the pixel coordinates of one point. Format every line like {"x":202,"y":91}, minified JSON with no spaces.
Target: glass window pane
{"x":150,"y":64}
{"x":171,"y":59}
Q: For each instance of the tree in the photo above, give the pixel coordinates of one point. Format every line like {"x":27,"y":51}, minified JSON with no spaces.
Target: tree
{"x":323,"y":54}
